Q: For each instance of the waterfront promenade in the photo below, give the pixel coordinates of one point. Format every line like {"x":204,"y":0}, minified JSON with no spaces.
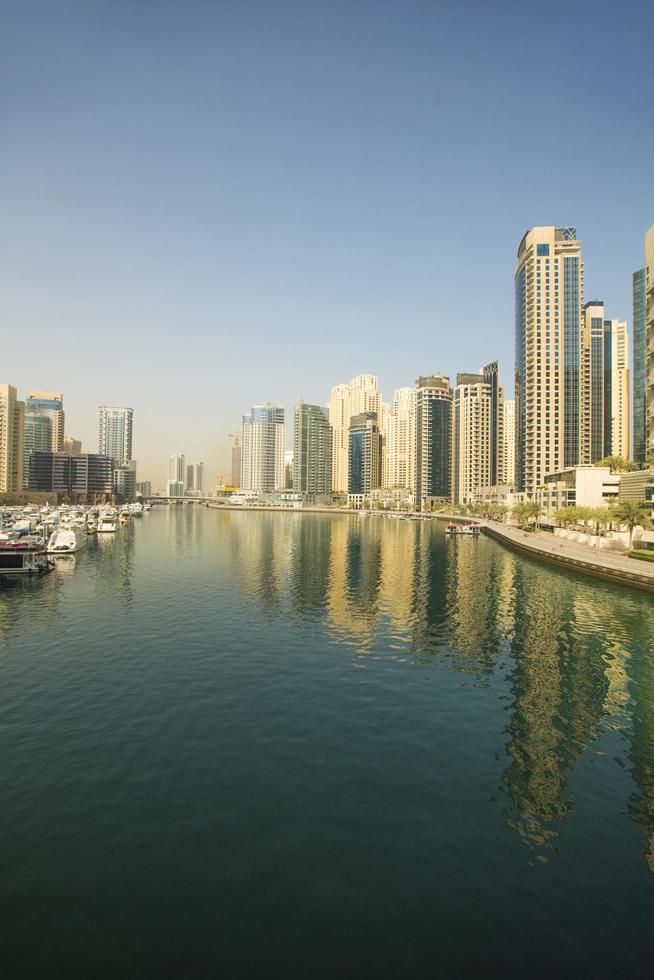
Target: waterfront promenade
{"x":606,"y":565}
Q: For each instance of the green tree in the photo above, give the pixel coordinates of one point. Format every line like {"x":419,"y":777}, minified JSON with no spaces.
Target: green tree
{"x":631,"y":514}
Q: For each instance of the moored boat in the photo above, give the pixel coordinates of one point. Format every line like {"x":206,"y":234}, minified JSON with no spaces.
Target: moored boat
{"x":66,"y":541}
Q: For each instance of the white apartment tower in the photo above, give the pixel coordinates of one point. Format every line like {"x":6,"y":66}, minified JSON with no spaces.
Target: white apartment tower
{"x":12,"y":414}
{"x":509,"y":440}
{"x":400,"y":441}
{"x":618,"y":416}
{"x":360,"y":396}
{"x":263,"y":449}
{"x":115,"y":433}
{"x":548,"y":317}
{"x":472,"y":437}
{"x":177,"y":468}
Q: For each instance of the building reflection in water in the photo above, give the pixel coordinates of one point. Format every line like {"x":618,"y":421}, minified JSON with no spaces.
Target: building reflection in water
{"x":559,"y":688}
{"x":478,"y":608}
{"x":113,"y":572}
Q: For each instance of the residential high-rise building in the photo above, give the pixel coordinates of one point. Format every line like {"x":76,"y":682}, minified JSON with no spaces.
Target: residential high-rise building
{"x":72,"y":446}
{"x":649,"y":261}
{"x":365,"y":449}
{"x":50,"y":404}
{"x":37,"y":436}
{"x":195,"y":477}
{"x":548,"y":312}
{"x":174,"y":488}
{"x":617,"y":420}
{"x":639,"y":398}
{"x":400,"y":441}
{"x":236,"y":461}
{"x":12,"y":415}
{"x":605,"y":418}
{"x":592,"y":383}
{"x":433,"y":440}
{"x":263,"y":449}
{"x":144,"y":488}
{"x":361,"y":395}
{"x":312,"y":450}
{"x":473,"y":437}
{"x":177,"y":468}
{"x":115,"y":433}
{"x":509,"y":440}
{"x":491,"y":377}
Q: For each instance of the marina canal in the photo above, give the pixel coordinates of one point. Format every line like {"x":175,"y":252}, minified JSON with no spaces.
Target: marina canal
{"x":311,"y":745}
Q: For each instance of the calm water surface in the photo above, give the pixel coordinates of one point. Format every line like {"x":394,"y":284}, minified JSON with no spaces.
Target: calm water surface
{"x":323,"y":746}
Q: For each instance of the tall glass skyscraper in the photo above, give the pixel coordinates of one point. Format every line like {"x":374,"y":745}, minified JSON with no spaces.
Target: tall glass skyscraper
{"x":365,"y":452}
{"x":49,"y":404}
{"x":312,"y":450}
{"x":433,"y":440}
{"x":548,"y":317}
{"x":640,"y":364}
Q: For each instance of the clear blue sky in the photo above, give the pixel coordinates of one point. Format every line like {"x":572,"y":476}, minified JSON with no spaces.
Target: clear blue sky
{"x":210,"y":205}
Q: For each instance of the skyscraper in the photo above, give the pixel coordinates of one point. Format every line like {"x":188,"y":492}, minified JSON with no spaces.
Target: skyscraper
{"x":473,"y":437}
{"x":400,"y":441}
{"x":12,"y":414}
{"x":312,"y":449}
{"x":195,"y":477}
{"x":433,"y":440}
{"x":617,"y":421}
{"x":236,"y":461}
{"x":640,"y":363}
{"x":115,"y":435}
{"x":592,"y":383}
{"x":177,"y":468}
{"x":491,"y":377}
{"x":548,"y":310}
{"x":509,"y":440}
{"x":37,"y":435}
{"x":359,"y":396}
{"x":365,"y":447}
{"x":649,"y":263}
{"x":263,"y":448}
{"x":49,"y":404}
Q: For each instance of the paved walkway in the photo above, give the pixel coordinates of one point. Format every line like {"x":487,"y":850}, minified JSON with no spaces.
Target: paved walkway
{"x":604,"y":563}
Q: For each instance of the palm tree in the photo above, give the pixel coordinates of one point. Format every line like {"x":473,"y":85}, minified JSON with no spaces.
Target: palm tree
{"x":631,"y":514}
{"x":532,"y":509}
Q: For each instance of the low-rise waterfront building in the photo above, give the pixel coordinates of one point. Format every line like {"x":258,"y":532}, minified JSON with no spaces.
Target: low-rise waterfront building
{"x":581,"y":486}
{"x":638,"y":485}
{"x":90,"y":473}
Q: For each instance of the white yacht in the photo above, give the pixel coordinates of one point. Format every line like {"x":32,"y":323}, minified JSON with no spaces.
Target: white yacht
{"x":107,"y":524}
{"x":66,"y":541}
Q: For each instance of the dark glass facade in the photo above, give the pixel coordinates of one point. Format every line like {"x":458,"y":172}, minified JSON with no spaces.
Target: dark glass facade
{"x":62,"y":473}
{"x":640,"y":364}
{"x":571,"y":337}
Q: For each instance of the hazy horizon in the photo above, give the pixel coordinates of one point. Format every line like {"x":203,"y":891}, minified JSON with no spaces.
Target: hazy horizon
{"x":210,"y":206}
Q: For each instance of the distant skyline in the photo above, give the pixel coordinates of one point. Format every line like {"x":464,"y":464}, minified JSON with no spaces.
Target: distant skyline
{"x":211,"y":205}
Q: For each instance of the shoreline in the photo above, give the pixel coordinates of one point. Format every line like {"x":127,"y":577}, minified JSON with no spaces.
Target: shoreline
{"x":610,"y":567}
